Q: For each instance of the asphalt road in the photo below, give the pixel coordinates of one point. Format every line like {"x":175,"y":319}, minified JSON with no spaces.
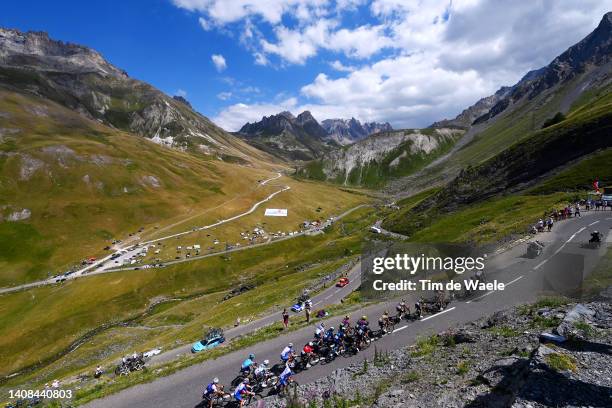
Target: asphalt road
{"x":128,"y":250}
{"x":525,"y":280}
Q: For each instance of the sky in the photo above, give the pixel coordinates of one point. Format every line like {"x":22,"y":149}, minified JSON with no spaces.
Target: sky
{"x":405,"y":62}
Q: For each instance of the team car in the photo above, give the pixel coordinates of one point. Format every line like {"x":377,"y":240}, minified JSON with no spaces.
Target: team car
{"x":213,"y":338}
{"x":298,"y":307}
{"x":342,"y":282}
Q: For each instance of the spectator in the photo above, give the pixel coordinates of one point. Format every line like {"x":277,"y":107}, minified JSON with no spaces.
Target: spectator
{"x":285,"y":318}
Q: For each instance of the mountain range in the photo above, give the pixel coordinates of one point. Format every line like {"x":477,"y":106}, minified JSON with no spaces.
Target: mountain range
{"x":303,"y":137}
{"x":80,"y":79}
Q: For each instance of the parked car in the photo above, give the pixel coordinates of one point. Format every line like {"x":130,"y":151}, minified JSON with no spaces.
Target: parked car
{"x":214,"y":338}
{"x":342,"y":282}
{"x":298,"y":307}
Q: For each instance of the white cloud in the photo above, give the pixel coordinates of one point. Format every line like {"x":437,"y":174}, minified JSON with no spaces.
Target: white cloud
{"x":205,"y":24}
{"x":235,"y":116}
{"x":219,"y":62}
{"x":181,"y":92}
{"x":339,"y":66}
{"x":224,"y":95}
{"x":410,"y":62}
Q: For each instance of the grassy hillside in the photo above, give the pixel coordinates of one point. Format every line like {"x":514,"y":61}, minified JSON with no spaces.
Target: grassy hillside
{"x":517,"y":123}
{"x":193,"y":292}
{"x":565,"y":157}
{"x":84,"y":184}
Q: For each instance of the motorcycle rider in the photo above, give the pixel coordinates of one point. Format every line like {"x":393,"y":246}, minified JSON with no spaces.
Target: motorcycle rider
{"x":248,"y":364}
{"x":595,"y":237}
{"x":241,"y":390}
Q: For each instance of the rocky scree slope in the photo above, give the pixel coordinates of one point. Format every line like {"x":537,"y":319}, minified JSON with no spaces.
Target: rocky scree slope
{"x":80,"y":79}
{"x":376,"y":159}
{"x":504,"y":360}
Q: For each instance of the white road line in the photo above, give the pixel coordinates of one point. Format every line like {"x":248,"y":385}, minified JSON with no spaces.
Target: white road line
{"x":512,"y":281}
{"x":480,"y":297}
{"x":535,"y":268}
{"x":579,"y":231}
{"x":438,"y":314}
{"x":400,"y":328}
{"x":593,"y":223}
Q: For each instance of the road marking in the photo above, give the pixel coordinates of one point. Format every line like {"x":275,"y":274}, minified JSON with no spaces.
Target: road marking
{"x":480,"y":297}
{"x":437,"y":314}
{"x":327,"y":297}
{"x":512,"y":281}
{"x":579,"y":231}
{"x":535,"y":268}
{"x":400,"y":328}
{"x":593,"y":223}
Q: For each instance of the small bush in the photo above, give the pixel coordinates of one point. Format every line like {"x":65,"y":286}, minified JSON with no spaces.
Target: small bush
{"x":410,"y":377}
{"x":561,"y":362}
{"x":463,"y":367}
{"x":586,"y":329}
{"x":426,"y":346}
{"x":505,"y":331}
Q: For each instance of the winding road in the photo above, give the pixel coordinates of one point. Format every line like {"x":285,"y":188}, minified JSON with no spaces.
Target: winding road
{"x":127,"y":250}
{"x":562,"y":266}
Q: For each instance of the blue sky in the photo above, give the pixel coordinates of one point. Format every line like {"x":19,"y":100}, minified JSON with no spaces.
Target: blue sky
{"x":402,"y":61}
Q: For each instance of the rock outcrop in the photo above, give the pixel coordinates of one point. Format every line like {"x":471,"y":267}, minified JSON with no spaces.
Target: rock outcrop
{"x":494,"y":362}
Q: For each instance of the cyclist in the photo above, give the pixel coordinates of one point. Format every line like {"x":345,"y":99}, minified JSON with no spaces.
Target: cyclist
{"x":402,"y":309}
{"x":363,"y":322}
{"x":287,"y":353}
{"x":346,"y":322}
{"x":285,"y":378}
{"x":307,"y":353}
{"x":329,"y":335}
{"x":248,"y":364}
{"x":262,"y":369}
{"x":417,"y":307}
{"x":211,"y":391}
{"x":383,"y":322}
{"x":319,"y":331}
{"x":241,"y":390}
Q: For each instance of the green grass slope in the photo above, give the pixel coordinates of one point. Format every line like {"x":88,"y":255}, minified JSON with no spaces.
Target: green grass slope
{"x":535,"y":171}
{"x":83,"y":183}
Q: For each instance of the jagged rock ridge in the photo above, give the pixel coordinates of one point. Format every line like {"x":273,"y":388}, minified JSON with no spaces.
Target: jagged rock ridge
{"x":79,"y":78}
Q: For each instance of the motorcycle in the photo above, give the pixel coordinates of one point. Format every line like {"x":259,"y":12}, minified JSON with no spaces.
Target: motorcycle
{"x":595,"y":240}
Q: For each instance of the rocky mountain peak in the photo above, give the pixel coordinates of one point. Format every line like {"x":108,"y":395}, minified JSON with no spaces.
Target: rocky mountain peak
{"x":345,"y":131}
{"x":34,"y":49}
{"x":305,"y":117}
{"x":182,"y":100}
